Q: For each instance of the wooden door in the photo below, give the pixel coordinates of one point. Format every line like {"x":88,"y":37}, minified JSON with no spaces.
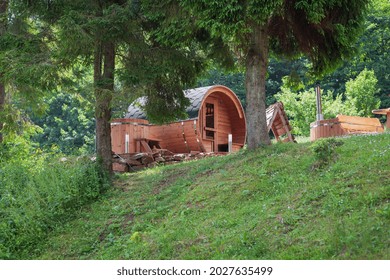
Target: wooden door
{"x":210,"y":123}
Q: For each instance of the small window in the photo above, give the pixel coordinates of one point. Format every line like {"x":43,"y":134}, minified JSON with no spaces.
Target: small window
{"x":209,"y":121}
{"x":209,"y":115}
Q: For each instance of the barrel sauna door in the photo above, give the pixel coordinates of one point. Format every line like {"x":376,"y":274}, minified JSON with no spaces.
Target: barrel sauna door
{"x":209,"y":123}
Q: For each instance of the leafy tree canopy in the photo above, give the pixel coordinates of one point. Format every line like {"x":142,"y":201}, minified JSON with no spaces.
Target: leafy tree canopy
{"x":360,"y":94}
{"x":322,"y":30}
{"x":68,"y":124}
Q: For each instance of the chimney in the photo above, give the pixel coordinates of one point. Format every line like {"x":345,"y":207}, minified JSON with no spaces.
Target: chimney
{"x":318,"y":103}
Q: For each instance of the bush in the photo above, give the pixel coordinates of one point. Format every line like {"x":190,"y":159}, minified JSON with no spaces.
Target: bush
{"x":39,"y":192}
{"x":360,"y":94}
{"x":324,"y":150}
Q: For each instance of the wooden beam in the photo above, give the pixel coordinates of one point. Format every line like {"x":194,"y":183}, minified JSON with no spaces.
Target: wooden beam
{"x":146,"y":146}
{"x":285,"y":125}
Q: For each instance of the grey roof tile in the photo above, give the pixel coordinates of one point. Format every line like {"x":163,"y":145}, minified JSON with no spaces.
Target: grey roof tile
{"x":195,"y":96}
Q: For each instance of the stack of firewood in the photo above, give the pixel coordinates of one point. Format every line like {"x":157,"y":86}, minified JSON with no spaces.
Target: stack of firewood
{"x":137,"y":161}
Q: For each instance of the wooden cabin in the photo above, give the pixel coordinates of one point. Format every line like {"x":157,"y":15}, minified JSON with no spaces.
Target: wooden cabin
{"x":216,"y":123}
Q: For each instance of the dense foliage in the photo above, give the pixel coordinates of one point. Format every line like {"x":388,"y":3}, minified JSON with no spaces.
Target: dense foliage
{"x":360,"y":94}
{"x":68,"y":124}
{"x":31,"y":77}
{"x":65,"y":64}
{"x":38,"y":192}
{"x":138,"y":45}
{"x":325,"y":32}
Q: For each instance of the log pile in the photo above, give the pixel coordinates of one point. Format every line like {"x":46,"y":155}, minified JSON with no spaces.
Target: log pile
{"x":138,"y":161}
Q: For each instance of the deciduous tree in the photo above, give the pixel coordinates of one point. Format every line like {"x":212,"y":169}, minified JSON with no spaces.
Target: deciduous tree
{"x":360,"y":94}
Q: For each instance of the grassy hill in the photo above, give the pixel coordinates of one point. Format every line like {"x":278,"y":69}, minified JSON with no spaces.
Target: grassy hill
{"x":274,"y":203}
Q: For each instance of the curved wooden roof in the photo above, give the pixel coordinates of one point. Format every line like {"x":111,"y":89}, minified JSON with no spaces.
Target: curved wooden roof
{"x":196,"y":96}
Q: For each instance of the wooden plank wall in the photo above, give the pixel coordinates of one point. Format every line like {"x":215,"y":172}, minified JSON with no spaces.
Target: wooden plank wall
{"x":224,"y":125}
{"x":179,"y":137}
{"x":116,"y":138}
{"x":136,"y":129}
{"x":325,"y":128}
{"x":229,"y":121}
{"x":187,"y":136}
{"x":184,"y":136}
{"x":353,"y":124}
{"x":222,"y":119}
{"x":344,"y":125}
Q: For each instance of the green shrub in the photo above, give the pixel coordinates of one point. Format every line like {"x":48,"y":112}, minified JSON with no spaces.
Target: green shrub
{"x":39,"y":192}
{"x":324,"y":150}
{"x":360,"y":94}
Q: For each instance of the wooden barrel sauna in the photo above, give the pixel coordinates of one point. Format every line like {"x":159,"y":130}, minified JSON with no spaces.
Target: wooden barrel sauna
{"x":216,"y":123}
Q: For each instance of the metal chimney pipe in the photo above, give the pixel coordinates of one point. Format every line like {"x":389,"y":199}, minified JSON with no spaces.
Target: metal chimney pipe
{"x":319,"y":104}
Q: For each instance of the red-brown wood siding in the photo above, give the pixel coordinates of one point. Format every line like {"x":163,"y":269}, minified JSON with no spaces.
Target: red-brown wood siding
{"x":188,"y":135}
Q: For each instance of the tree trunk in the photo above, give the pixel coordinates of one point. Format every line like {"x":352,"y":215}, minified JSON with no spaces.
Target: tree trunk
{"x":2,"y":105}
{"x":3,"y":29}
{"x":104,"y":87}
{"x":256,"y":70}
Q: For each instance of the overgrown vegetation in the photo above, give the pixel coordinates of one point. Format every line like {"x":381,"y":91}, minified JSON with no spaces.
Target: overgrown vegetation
{"x":360,"y":94}
{"x":39,"y":192}
{"x":265,"y":204}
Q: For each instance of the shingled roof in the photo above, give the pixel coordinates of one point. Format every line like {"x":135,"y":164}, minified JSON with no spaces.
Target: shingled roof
{"x":195,"y":96}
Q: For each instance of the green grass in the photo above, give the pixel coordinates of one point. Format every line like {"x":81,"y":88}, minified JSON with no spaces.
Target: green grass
{"x":272,"y":203}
